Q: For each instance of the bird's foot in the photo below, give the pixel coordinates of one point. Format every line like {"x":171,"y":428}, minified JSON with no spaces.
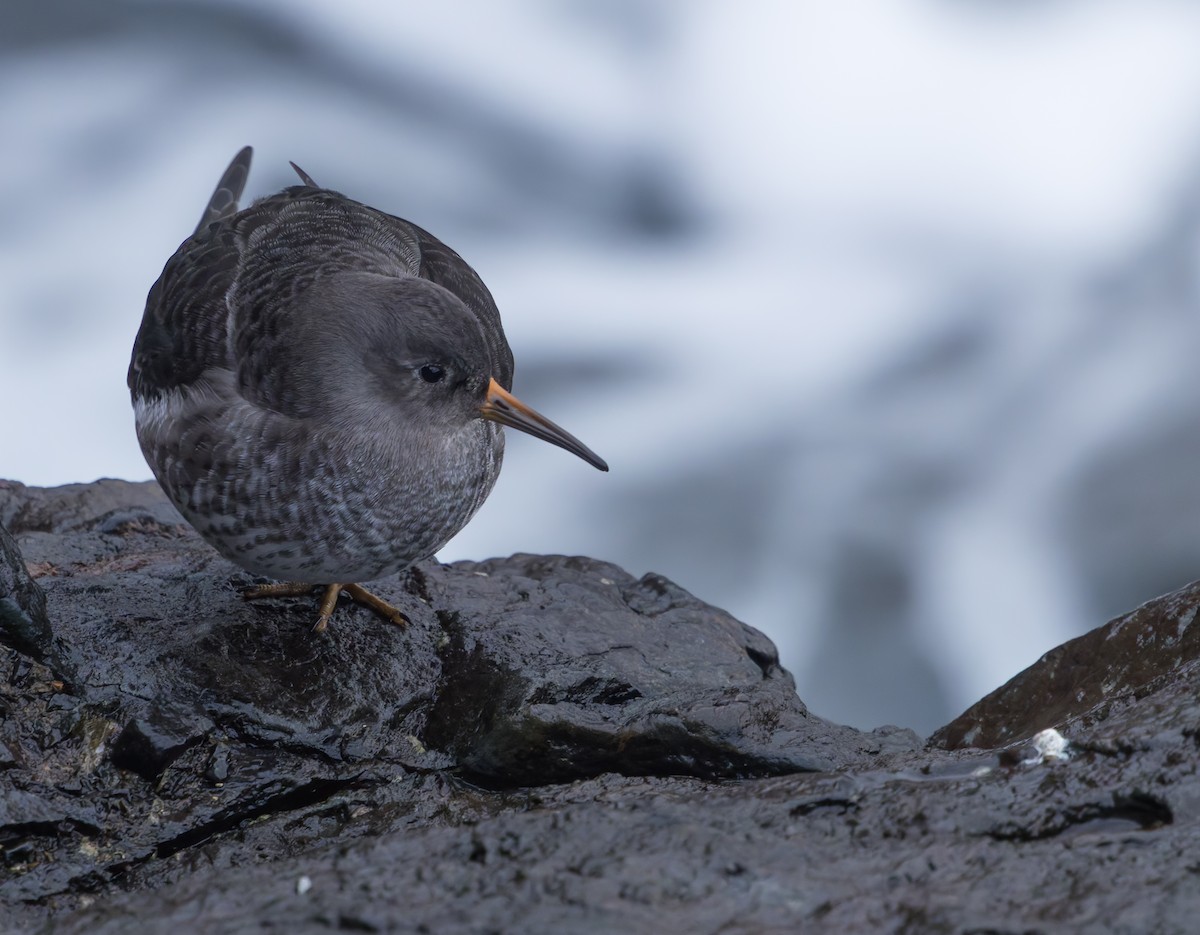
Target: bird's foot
{"x":356,"y":593}
{"x":361,"y":595}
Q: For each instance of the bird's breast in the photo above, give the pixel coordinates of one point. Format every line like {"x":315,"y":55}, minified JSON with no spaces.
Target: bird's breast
{"x":319,"y":502}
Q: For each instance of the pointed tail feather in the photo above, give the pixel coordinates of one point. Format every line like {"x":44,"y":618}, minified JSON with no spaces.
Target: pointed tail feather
{"x":304,"y":176}
{"x":224,"y":200}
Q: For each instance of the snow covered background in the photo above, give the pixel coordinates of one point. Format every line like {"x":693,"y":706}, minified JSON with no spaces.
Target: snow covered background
{"x":884,"y":314}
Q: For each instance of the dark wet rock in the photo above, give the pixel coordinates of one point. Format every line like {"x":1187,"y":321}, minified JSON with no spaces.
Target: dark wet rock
{"x":1112,"y":666}
{"x":523,"y":669}
{"x":551,"y":745}
{"x":104,"y":505}
{"x":147,"y":745}
{"x":23,"y":623}
{"x":633,"y":676}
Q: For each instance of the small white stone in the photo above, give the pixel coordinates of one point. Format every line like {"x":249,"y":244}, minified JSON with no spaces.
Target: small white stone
{"x":1050,"y":745}
{"x":303,"y":885}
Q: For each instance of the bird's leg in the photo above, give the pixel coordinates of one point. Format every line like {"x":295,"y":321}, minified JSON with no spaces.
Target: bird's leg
{"x":325,"y":610}
{"x":356,"y":592}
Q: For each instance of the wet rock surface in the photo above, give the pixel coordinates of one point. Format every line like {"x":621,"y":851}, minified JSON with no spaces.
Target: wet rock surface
{"x":550,"y":745}
{"x":1083,"y":679}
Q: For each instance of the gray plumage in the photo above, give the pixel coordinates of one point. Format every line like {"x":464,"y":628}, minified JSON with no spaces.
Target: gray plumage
{"x":314,"y":385}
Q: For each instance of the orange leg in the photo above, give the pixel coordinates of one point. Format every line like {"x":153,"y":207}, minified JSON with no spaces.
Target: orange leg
{"x":356,"y":592}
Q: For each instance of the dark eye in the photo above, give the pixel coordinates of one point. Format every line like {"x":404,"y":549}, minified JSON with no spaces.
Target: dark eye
{"x":432,"y":373}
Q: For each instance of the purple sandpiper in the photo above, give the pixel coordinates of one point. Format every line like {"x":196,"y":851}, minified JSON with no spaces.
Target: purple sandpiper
{"x":319,"y":387}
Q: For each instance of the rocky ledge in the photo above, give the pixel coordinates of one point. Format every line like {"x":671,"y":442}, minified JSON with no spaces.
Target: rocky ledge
{"x":551,"y":745}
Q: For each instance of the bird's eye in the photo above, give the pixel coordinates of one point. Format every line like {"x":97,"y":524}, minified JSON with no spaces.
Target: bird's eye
{"x":432,"y":373}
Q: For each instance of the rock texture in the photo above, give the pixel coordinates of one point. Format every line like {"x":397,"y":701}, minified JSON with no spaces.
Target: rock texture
{"x":552,"y":745}
{"x":1083,"y":680}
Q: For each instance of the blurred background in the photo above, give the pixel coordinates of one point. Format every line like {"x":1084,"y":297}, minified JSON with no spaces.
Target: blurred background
{"x":884,"y":315}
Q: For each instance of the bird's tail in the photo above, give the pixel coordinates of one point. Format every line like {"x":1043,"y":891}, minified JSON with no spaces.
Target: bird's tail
{"x":224,"y":200}
{"x":304,"y":176}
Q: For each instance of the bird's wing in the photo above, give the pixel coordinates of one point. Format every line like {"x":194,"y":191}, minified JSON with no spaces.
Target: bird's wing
{"x":184,"y":325}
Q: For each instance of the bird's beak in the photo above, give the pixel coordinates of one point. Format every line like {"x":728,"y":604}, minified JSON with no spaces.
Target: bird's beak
{"x":501,"y":406}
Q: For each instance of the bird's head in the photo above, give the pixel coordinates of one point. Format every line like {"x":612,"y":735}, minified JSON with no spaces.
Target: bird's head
{"x":419,"y":349}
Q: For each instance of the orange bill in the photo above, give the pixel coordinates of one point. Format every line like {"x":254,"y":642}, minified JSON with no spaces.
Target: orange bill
{"x":501,"y":406}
